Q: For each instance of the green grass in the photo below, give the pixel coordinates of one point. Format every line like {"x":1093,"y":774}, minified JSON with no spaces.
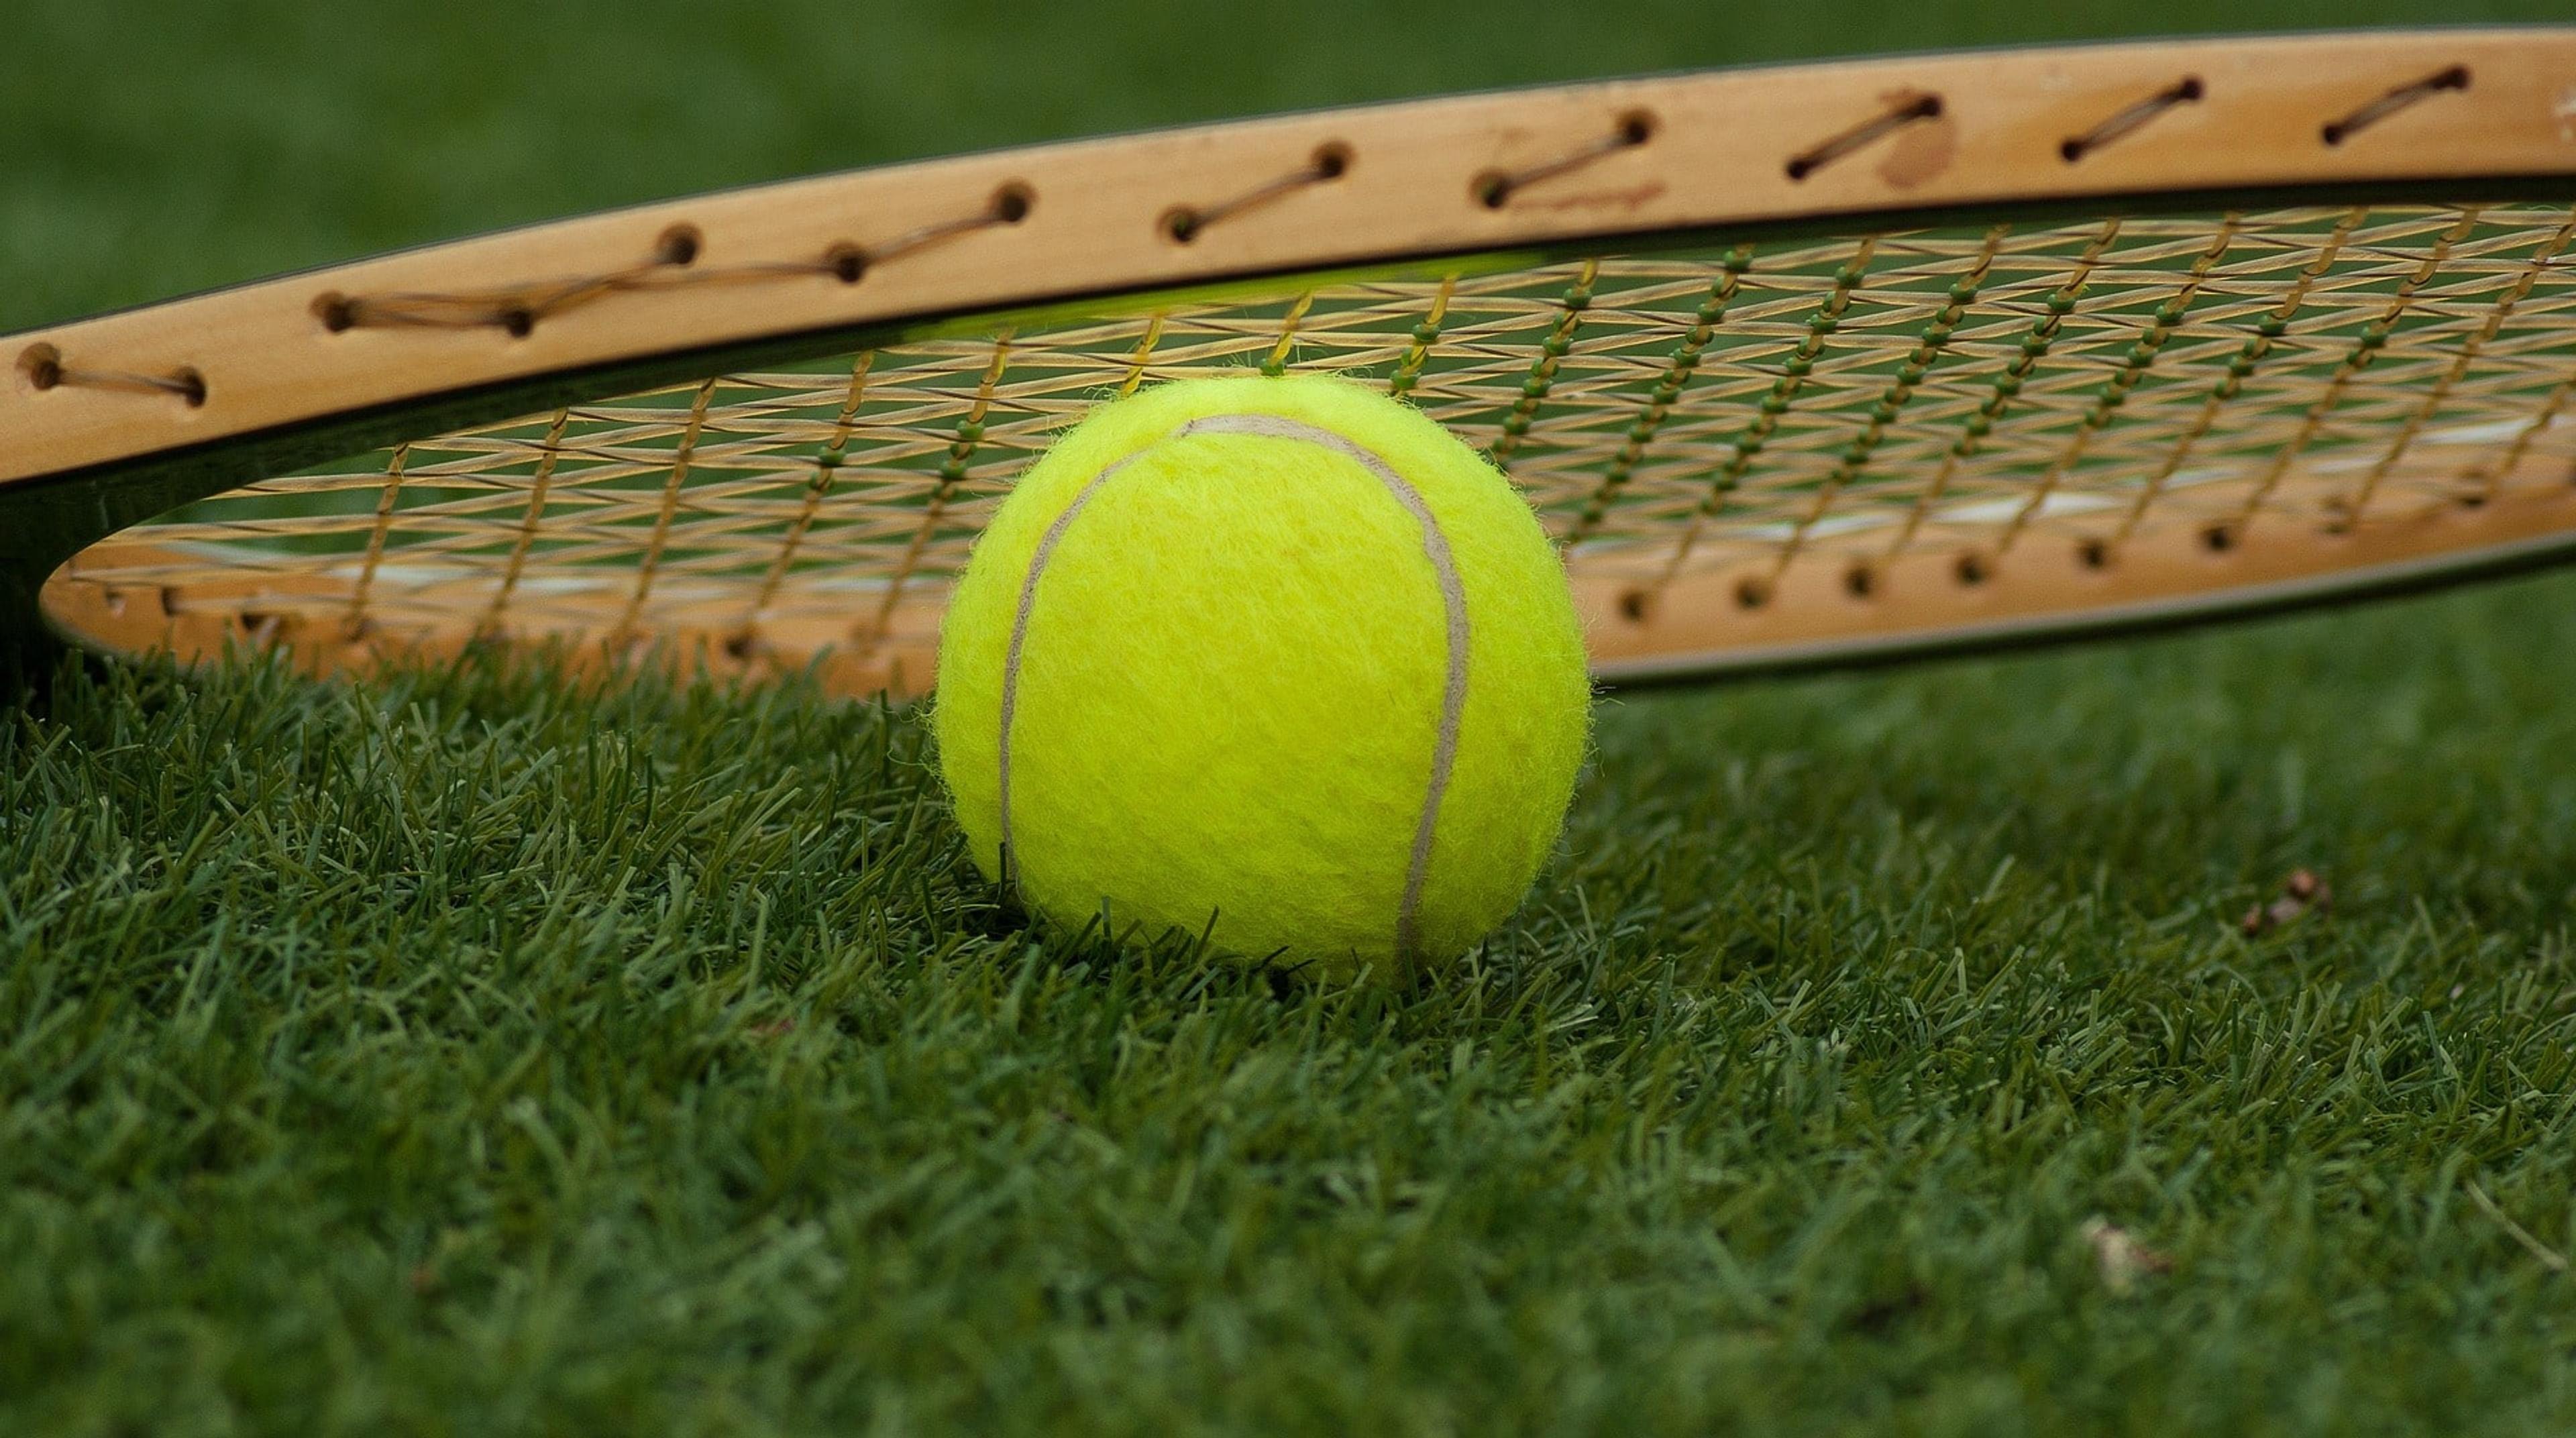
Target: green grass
{"x":472,"y":1053}
{"x":481,"y":1053}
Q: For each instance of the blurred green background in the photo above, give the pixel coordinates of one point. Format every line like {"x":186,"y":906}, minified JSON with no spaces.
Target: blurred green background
{"x":153,"y":147}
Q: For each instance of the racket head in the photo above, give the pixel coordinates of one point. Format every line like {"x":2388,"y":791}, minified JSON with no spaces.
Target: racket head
{"x":1808,"y":365}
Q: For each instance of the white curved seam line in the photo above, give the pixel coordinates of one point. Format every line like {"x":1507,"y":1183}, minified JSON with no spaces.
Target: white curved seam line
{"x":1019,"y":638}
{"x":1453,"y":600}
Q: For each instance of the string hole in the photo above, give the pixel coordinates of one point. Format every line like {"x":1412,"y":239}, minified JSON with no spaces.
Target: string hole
{"x":2218,"y":538}
{"x":1971,"y":569}
{"x":738,"y":646}
{"x":1636,"y":127}
{"x":2186,"y":91}
{"x":1752,"y":594}
{"x":519,"y":321}
{"x":191,"y":387}
{"x":1332,"y":160}
{"x":1491,"y":189}
{"x":335,"y":312}
{"x":2474,"y":499}
{"x":1860,"y":581}
{"x":43,"y":366}
{"x":1181,"y":225}
{"x":679,"y":245}
{"x":2093,"y":554}
{"x":1012,"y":203}
{"x":2337,"y":131}
{"x":1634,"y":606}
{"x":848,"y":263}
{"x":115,"y":600}
{"x":1868,"y":132}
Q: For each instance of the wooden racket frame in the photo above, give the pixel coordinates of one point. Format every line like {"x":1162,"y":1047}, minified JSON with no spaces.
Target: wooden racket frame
{"x":106,"y":421}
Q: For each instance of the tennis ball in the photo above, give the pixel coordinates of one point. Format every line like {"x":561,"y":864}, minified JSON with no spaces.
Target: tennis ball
{"x":1276,"y":659}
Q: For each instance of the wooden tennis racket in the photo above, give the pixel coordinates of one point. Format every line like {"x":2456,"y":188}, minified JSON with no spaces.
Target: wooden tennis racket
{"x":1805,"y":365}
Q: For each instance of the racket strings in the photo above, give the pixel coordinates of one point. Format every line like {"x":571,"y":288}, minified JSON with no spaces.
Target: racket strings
{"x":1744,"y":410}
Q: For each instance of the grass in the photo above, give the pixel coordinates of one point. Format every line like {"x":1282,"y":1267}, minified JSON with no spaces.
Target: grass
{"x":476,"y":1052}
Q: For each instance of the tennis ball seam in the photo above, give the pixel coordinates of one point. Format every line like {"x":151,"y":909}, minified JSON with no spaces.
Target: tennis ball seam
{"x":1453,"y":599}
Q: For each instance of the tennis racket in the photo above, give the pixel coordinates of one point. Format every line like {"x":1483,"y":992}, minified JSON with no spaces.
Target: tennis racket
{"x":1801,"y":366}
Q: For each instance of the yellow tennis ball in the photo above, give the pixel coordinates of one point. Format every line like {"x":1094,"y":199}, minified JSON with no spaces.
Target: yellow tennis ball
{"x":1279,"y":659}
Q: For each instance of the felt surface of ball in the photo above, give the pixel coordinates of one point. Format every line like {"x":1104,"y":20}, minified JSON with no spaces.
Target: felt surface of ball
{"x":1277,"y":659}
